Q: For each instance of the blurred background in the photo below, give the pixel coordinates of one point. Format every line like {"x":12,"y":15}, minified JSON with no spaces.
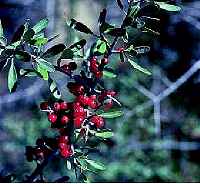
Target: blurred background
{"x":158,"y":138}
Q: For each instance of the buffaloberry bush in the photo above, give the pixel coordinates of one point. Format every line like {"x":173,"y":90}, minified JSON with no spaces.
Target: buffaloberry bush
{"x":86,"y":64}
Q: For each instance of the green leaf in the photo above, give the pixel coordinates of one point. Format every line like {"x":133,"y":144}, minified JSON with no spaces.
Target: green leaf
{"x":67,"y":54}
{"x":23,"y":56}
{"x":39,"y":42}
{"x":80,"y":27}
{"x":39,"y":35}
{"x":12,"y":77}
{"x":102,"y":16}
{"x":78,"y":45}
{"x":116,"y":32}
{"x":104,"y":135}
{"x":18,"y":34}
{"x":168,"y":7}
{"x":1,"y":30}
{"x":109,"y":74}
{"x":43,"y":72}
{"x":28,"y":35}
{"x":53,"y":51}
{"x":54,"y":89}
{"x":45,"y":65}
{"x":111,"y":114}
{"x":138,"y":67}
{"x":29,"y":73}
{"x":42,"y":24}
{"x":142,"y":49}
{"x":95,"y":164}
{"x":100,"y":47}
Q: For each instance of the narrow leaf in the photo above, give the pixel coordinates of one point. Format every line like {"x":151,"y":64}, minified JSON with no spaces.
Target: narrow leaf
{"x":78,"y":45}
{"x":138,"y":67}
{"x":1,"y":30}
{"x":102,"y":16}
{"x":18,"y":34}
{"x":95,"y":164}
{"x":43,"y":72}
{"x":111,"y":114}
{"x":80,"y":27}
{"x":168,"y":7}
{"x":45,"y":64}
{"x":12,"y":77}
{"x":109,"y":74}
{"x":28,"y":35}
{"x":53,"y":51}
{"x":42,"y":24}
{"x":54,"y":89}
{"x":116,"y":31}
{"x":104,"y":135}
{"x":23,"y":56}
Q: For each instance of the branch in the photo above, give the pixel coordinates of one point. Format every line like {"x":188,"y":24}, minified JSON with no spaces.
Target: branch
{"x":179,"y":82}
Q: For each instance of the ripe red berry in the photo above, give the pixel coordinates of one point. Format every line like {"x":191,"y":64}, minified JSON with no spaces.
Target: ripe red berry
{"x":78,"y":121}
{"x":99,"y":74}
{"x":104,"y":61}
{"x":44,"y":106}
{"x":120,"y":49}
{"x":98,"y":121}
{"x":65,"y":67}
{"x":66,"y":151}
{"x":63,"y":106}
{"x":93,"y":97}
{"x":83,"y":100}
{"x":56,"y":106}
{"x":78,"y":110}
{"x":76,"y":89}
{"x":108,"y":104}
{"x":92,"y":104}
{"x":94,"y":58}
{"x":63,"y":139}
{"x":61,"y":145}
{"x":52,"y":118}
{"x":111,"y":93}
{"x":64,"y":120}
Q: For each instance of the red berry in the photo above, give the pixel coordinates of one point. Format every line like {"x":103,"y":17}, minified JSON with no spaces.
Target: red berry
{"x":104,"y":61}
{"x":66,"y":151}
{"x":64,"y":120}
{"x":78,"y":110}
{"x":83,"y":100}
{"x":93,"y":97}
{"x":62,"y":145}
{"x":120,"y":49}
{"x":44,"y":106}
{"x":52,"y":118}
{"x":63,"y":106}
{"x":78,"y":121}
{"x":111,"y":93}
{"x":63,"y":139}
{"x":56,"y":106}
{"x":99,"y":74}
{"x":92,"y":104}
{"x":94,"y":58}
{"x":98,"y":121}
{"x":65,"y":67}
{"x":94,"y":66}
{"x":108,"y":105}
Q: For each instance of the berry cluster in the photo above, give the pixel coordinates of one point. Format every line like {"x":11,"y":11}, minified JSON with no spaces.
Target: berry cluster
{"x":78,"y":114}
{"x":97,"y":68}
